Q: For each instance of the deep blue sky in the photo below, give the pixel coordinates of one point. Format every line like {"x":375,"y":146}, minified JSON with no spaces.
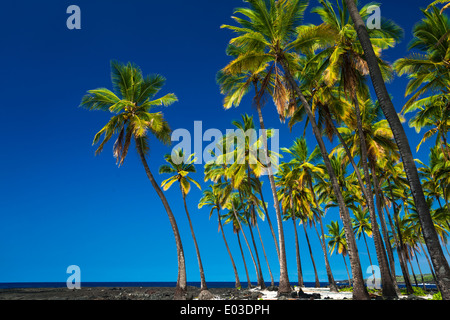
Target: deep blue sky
{"x":60,"y":205}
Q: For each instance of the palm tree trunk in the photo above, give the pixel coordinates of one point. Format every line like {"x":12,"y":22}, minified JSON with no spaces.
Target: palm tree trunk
{"x":414,"y":275}
{"x":284,"y":286}
{"x":388,"y":288}
{"x":248,"y":246}
{"x":348,"y":274}
{"x":398,"y":244}
{"x":349,"y":156}
{"x":331,"y":282}
{"x":359,"y":290}
{"x":250,"y":225}
{"x":297,"y":245}
{"x":243,"y":259}
{"x":446,"y":152}
{"x":297,"y":255}
{"x":268,"y":221}
{"x":181,"y":286}
{"x":236,"y":275}
{"x":261,"y":279}
{"x":428,"y":261}
{"x":369,"y":198}
{"x":368,"y":252}
{"x":429,"y":232}
{"x":388,"y":243}
{"x":421,"y":274}
{"x":272,"y":282}
{"x":316,"y":276}
{"x":200,"y":265}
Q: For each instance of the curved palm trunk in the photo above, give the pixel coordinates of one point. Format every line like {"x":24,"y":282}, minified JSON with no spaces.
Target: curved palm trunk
{"x":368,"y":253}
{"x":402,"y":252}
{"x":284,"y":286}
{"x":243,"y":259}
{"x":348,"y":274}
{"x":350,"y":157}
{"x":388,"y":288}
{"x":368,"y":195}
{"x":331,"y":282}
{"x":399,"y":245}
{"x":297,"y":246}
{"x":429,"y":232}
{"x":421,"y":274}
{"x":236,"y":275}
{"x":272,"y":282}
{"x":260,"y":279}
{"x":200,"y":265}
{"x":250,"y":226}
{"x":359,"y":290}
{"x":245,"y":239}
{"x":414,"y":275}
{"x":317,"y":285}
{"x":388,"y":243}
{"x":269,"y":222}
{"x":181,"y":286}
{"x":297,"y":251}
{"x":429,"y":263}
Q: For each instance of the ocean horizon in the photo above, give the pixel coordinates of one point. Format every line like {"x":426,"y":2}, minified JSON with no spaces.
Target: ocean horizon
{"x":158,"y":284}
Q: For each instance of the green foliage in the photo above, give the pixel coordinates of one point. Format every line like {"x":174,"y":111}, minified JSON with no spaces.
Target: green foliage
{"x":346,"y":289}
{"x":417,"y":291}
{"x":437,"y":296}
{"x":375,"y":291}
{"x":131,"y":103}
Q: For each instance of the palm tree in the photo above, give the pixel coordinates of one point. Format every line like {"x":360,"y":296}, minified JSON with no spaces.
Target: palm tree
{"x":245,"y":163}
{"x":432,"y":185}
{"x":394,"y":189}
{"x":436,"y":177}
{"x":433,"y":114}
{"x":234,"y":85}
{"x":428,"y":72}
{"x":430,"y":235}
{"x":379,"y":148}
{"x":434,"y":3}
{"x":304,"y":168}
{"x":344,"y":64}
{"x":180,"y":166}
{"x":268,"y":36}
{"x":131,"y":102}
{"x":221,"y":172}
{"x":306,"y":216}
{"x":416,"y":239}
{"x":338,"y":241}
{"x":362,"y":227}
{"x":286,"y":181}
{"x":231,"y":217}
{"x":237,"y":216}
{"x":318,"y":214}
{"x":211,"y":198}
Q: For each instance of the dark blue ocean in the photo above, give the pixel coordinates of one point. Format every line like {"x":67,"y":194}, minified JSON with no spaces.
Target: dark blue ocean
{"x":12,"y":285}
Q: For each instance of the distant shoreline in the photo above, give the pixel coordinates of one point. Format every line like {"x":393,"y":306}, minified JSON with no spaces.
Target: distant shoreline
{"x":144,"y":284}
{"x":171,"y":284}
